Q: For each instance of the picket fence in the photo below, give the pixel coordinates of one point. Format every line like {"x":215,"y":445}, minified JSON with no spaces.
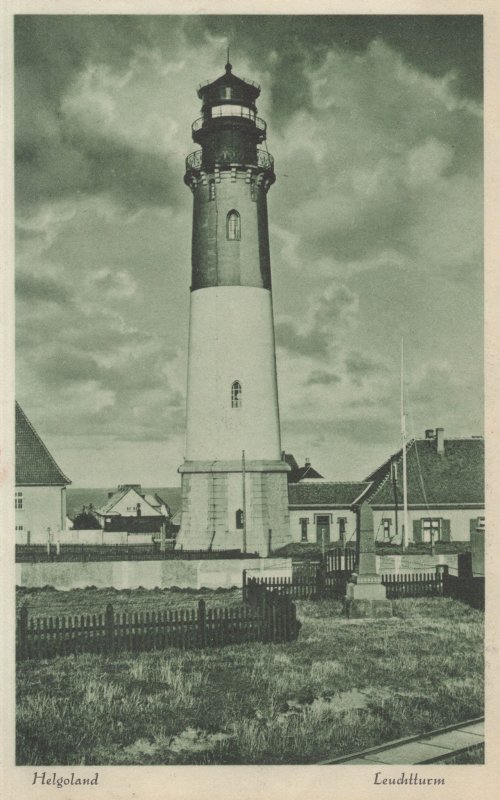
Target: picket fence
{"x":323,"y":584}
{"x":271,"y":619}
{"x":117,"y":552}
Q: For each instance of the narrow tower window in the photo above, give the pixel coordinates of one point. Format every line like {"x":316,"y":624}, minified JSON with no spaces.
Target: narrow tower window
{"x":233,"y":226}
{"x":236,"y":395}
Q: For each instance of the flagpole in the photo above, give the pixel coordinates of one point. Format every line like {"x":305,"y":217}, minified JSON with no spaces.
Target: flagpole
{"x":404,"y":533}
{"x":243,"y":477}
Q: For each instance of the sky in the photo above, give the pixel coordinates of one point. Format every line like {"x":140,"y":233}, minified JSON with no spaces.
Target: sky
{"x":375,"y":124}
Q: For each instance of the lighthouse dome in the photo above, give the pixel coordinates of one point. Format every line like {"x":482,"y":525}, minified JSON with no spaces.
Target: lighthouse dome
{"x":229,"y":89}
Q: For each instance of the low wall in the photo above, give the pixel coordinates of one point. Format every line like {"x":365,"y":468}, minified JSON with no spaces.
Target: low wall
{"x":220,"y":573}
{"x":415,"y":563}
{"x":94,"y":537}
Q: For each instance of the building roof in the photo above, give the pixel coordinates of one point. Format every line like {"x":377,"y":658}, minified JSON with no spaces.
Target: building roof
{"x":113,"y":500}
{"x":325,"y":493}
{"x":455,"y":477}
{"x":34,"y":464}
{"x":239,"y":86}
{"x":307,"y":472}
{"x":296,"y":474}
{"x":153,"y":500}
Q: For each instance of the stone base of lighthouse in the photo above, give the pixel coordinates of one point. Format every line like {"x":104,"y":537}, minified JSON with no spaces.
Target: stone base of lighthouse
{"x":212,"y":496}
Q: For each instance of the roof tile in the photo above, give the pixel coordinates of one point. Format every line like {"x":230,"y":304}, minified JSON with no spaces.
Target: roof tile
{"x":34,"y":464}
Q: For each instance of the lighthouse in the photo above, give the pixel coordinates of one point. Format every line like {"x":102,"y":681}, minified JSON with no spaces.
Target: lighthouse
{"x":234,"y":480}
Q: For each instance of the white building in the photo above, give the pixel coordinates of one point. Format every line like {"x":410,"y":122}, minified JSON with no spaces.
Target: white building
{"x":131,"y":501}
{"x":40,"y":496}
{"x":446,"y":490}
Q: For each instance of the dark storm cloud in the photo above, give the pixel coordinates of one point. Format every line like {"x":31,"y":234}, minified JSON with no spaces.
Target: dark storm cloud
{"x":33,"y":288}
{"x":328,"y":310}
{"x":53,"y":159}
{"x":360,"y":366}
{"x":434,"y":44}
{"x":307,"y":344}
{"x":368,"y":431}
{"x":323,"y":378}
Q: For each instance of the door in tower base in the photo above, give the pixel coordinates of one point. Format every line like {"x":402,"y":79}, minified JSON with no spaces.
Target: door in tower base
{"x":323,"y":530}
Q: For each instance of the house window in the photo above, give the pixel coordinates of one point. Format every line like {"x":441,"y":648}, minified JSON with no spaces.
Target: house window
{"x":386,"y":526}
{"x":233,"y":226}
{"x":18,"y":500}
{"x":239,"y":519}
{"x":303,"y":529}
{"x":19,"y":527}
{"x":236,"y":395}
{"x":431,"y":528}
{"x":211,"y":189}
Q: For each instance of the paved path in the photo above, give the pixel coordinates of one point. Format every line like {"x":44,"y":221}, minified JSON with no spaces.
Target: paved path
{"x":426,"y":748}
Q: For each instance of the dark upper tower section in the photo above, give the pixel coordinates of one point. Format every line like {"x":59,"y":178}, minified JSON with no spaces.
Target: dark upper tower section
{"x":229,"y":178}
{"x":229,"y":129}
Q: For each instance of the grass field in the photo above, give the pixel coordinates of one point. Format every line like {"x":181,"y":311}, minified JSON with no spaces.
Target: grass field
{"x":342,"y":687}
{"x":50,"y":602}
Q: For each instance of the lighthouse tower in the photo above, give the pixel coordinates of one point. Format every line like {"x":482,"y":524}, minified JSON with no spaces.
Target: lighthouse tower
{"x":234,"y":481}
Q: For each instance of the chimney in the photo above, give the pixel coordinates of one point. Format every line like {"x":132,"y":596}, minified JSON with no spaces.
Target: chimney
{"x":308,"y":462}
{"x":429,"y":433}
{"x":440,"y":441}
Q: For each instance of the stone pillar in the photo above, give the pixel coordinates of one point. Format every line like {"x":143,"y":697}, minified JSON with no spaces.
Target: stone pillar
{"x":366,"y":595}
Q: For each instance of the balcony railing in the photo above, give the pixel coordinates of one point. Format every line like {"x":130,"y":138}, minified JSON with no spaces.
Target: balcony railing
{"x":259,"y":123}
{"x":264,"y":160}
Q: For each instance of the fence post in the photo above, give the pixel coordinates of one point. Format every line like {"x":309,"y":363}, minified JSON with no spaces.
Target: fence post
{"x":269,"y":542}
{"x":320,"y":581}
{"x":109,"y":628}
{"x":244,"y":586}
{"x":442,"y":573}
{"x":202,"y":630}
{"x":23,"y":633}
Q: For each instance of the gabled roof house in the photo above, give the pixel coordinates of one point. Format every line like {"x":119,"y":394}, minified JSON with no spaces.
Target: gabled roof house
{"x":445,"y":489}
{"x":131,"y":501}
{"x":40,"y":495}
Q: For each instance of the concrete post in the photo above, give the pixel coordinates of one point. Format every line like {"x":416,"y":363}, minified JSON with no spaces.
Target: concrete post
{"x":366,"y":595}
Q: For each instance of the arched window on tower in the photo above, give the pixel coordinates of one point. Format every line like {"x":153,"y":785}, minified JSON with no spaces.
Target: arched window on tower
{"x":233,"y":226}
{"x":236,"y":395}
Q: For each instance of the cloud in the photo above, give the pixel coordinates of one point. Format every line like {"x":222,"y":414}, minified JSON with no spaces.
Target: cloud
{"x":314,"y":333}
{"x":35,"y":288}
{"x":323,"y":378}
{"x":360,"y":366}
{"x":376,"y":222}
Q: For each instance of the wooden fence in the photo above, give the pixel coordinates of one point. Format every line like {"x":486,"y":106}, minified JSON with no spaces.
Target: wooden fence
{"x":117,"y":552}
{"x":272,"y":619}
{"x":315,"y":586}
{"x":403,"y":584}
{"x":322,"y":584}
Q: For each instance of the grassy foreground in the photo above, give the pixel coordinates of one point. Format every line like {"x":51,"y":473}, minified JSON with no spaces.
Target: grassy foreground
{"x":343,"y":686}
